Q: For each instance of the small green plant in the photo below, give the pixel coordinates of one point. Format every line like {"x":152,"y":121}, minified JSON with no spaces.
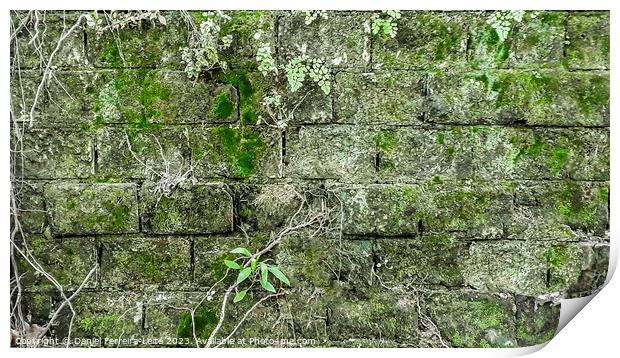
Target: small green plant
{"x":255,"y":271}
{"x":385,"y":23}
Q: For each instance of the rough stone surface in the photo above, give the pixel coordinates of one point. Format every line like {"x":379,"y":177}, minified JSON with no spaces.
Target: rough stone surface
{"x":84,"y":209}
{"x":588,"y":36}
{"x":202,"y":208}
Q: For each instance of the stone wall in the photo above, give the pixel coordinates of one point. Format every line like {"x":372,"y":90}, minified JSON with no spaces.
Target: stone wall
{"x":472,"y":171}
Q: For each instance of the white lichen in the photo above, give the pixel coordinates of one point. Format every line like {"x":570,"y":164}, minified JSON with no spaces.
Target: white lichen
{"x":502,"y":22}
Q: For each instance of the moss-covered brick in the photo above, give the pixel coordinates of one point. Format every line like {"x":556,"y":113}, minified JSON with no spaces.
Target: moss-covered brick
{"x":340,"y":40}
{"x":243,"y":27}
{"x":310,"y":107}
{"x":425,"y":262}
{"x":30,"y":206}
{"x":103,"y":316}
{"x":252,"y":88}
{"x":51,"y":153}
{"x":321,"y":261}
{"x":210,"y":253}
{"x":84,"y":209}
{"x":72,"y":98}
{"x":594,"y":273}
{"x":201,"y":208}
{"x":235,"y":152}
{"x":471,"y":319}
{"x":146,"y":262}
{"x":145,"y":97}
{"x":329,"y":152}
{"x":149,"y":152}
{"x":423,"y":39}
{"x":270,"y":206}
{"x":549,"y":97}
{"x":561,"y":210}
{"x":23,"y":89}
{"x":588,"y":41}
{"x":536,"y":322}
{"x":527,"y":268}
{"x":49,"y":26}
{"x":394,"y":97}
{"x":145,"y":43}
{"x":405,"y":153}
{"x":68,"y":260}
{"x":435,"y":207}
{"x":536,"y":40}
{"x":380,"y":315}
{"x":167,"y":317}
{"x":521,"y":153}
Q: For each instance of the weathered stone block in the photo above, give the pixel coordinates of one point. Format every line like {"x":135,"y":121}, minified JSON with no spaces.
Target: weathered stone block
{"x":321,"y":261}
{"x":406,"y":261}
{"x":23,"y":92}
{"x":268,"y":207}
{"x":471,"y":319}
{"x":235,"y":152}
{"x":146,"y":263}
{"x":73,"y":98}
{"x":536,"y":98}
{"x":110,"y":319}
{"x":436,"y":207}
{"x":515,"y":153}
{"x":404,"y":153}
{"x":67,"y":260}
{"x":389,"y":315}
{"x":48,"y":27}
{"x":526,"y":268}
{"x":36,"y":306}
{"x":197,"y":209}
{"x":52,"y":153}
{"x":565,"y":210}
{"x":394,"y":97}
{"x":594,"y":271}
{"x":423,"y":39}
{"x":588,"y":41}
{"x":140,"y":43}
{"x":144,"y":97}
{"x":329,"y":152}
{"x":85,"y":209}
{"x":536,"y":322}
{"x":311,"y":107}
{"x":155,"y":153}
{"x":30,"y":207}
{"x":341,"y":40}
{"x":535,"y":40}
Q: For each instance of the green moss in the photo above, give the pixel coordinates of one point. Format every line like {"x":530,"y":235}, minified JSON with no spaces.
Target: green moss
{"x":248,"y":102}
{"x":556,"y":256}
{"x":558,"y":160}
{"x":571,"y":206}
{"x":594,"y":94}
{"x":241,"y":148}
{"x":223,"y":107}
{"x":484,"y":313}
{"x":385,"y":140}
{"x":100,"y":326}
{"x":204,"y":320}
{"x":440,"y":137}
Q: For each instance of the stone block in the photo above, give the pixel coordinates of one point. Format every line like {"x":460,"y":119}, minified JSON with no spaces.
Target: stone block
{"x":341,"y":40}
{"x":536,"y":322}
{"x":53,"y":154}
{"x":147,"y":263}
{"x":424,"y":39}
{"x":588,"y":41}
{"x":548,"y":97}
{"x":534,"y":40}
{"x":86,"y":209}
{"x":202,"y":208}
{"x":394,"y":97}
{"x":235,"y":152}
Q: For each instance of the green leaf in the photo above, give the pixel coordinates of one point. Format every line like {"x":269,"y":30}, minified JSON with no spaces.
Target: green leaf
{"x":267,"y":286}
{"x":233,"y":265}
{"x":240,"y":296}
{"x":263,"y":273}
{"x":279,"y":275}
{"x":243,"y":274}
{"x":253,"y":264}
{"x":241,"y":250}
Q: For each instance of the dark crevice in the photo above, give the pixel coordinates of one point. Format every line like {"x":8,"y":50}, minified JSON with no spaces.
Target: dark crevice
{"x":283,"y":147}
{"x":139,"y":200}
{"x":377,"y":161}
{"x":236,"y":207}
{"x":143,"y":320}
{"x":420,"y":228}
{"x":548,"y":278}
{"x":99,"y":261}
